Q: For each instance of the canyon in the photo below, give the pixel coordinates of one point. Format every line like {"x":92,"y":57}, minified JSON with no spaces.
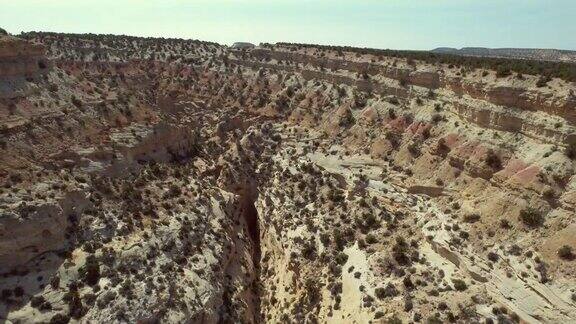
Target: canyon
{"x":158,"y":180}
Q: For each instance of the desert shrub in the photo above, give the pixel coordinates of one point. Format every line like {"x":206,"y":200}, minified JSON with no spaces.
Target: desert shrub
{"x":75,"y":308}
{"x":493,"y":256}
{"x":341,"y":258}
{"x":472,"y":218}
{"x":371,"y":239}
{"x":325,"y":239}
{"x":403,"y":82}
{"x":436,"y":118}
{"x":566,"y":253}
{"x":493,"y":160}
{"x":336,"y":196}
{"x":543,"y":81}
{"x":408,"y":117}
{"x":76,"y":102}
{"x":400,"y":251}
{"x":16,"y":178}
{"x":549,"y":194}
{"x":505,"y":224}
{"x":503,"y":71}
{"x":40,"y":303}
{"x":90,"y":272}
{"x":3,"y":31}
{"x":459,"y":285}
{"x":36,"y":301}
{"x":433,"y":320}
{"x":388,"y":291}
{"x":570,"y":151}
{"x":313,"y":291}
{"x":393,"y":320}
{"x":426,"y":133}
{"x":414,"y":149}
{"x":531,"y":217}
{"x":60,"y":319}
{"x":309,"y":251}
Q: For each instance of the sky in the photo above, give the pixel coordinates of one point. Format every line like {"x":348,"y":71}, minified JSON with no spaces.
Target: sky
{"x":395,"y":24}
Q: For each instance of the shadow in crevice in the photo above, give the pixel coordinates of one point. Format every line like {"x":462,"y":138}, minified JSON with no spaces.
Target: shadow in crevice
{"x":250,"y":215}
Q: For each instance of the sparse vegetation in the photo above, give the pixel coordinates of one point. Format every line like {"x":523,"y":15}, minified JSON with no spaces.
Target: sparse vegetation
{"x":562,"y":70}
{"x":274,"y":188}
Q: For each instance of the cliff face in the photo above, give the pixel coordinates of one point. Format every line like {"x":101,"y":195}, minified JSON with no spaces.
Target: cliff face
{"x":18,"y":57}
{"x":173,"y":180}
{"x":20,"y":61}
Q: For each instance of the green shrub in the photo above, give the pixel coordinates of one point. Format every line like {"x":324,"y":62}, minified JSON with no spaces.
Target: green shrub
{"x":459,"y":285}
{"x":566,"y":253}
{"x":472,"y":218}
{"x":493,"y":160}
{"x":90,"y":272}
{"x":371,"y":239}
{"x":388,"y":291}
{"x":341,"y":258}
{"x":531,"y":217}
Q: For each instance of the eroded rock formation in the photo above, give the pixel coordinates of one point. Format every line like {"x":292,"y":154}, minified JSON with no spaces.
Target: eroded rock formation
{"x":164,"y":180}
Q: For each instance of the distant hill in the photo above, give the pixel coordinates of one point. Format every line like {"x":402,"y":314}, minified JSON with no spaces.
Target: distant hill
{"x":518,"y":53}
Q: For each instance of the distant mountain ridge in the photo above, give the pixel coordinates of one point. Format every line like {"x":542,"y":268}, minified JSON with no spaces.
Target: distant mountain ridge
{"x":519,"y":53}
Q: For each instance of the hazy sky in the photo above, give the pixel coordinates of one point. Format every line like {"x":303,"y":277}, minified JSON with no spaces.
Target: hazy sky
{"x":400,"y":24}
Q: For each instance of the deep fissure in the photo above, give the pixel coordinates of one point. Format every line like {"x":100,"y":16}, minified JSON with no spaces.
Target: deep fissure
{"x":250,"y":215}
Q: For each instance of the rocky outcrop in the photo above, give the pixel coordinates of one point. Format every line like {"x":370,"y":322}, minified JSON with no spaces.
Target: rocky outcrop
{"x":28,"y":231}
{"x":160,"y":143}
{"x":19,"y":61}
{"x":20,"y":58}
